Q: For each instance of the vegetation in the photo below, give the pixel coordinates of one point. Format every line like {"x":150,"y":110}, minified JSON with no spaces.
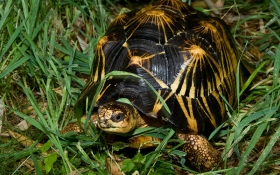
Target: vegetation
{"x":46,"y":51}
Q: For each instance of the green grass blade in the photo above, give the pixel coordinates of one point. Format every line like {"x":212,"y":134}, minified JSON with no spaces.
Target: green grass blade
{"x":256,"y":116}
{"x":11,"y":40}
{"x":156,"y":153}
{"x":30,"y":120}
{"x":46,"y":126}
{"x":36,"y":165}
{"x":256,"y":136}
{"x":6,"y":13}
{"x":25,"y":8}
{"x":276,"y":67}
{"x":266,"y":151}
{"x":276,"y":6}
{"x":39,"y":28}
{"x":237,"y":84}
{"x":252,"y":76}
{"x":35,"y":105}
{"x":33,"y":16}
{"x":251,"y":17}
{"x":12,"y":66}
{"x":89,"y":161}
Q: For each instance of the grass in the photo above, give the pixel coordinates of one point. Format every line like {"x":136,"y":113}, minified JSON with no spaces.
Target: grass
{"x":46,"y":54}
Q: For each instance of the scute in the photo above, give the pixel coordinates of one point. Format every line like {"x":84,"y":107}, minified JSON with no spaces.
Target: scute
{"x":157,"y":23}
{"x":187,"y":57}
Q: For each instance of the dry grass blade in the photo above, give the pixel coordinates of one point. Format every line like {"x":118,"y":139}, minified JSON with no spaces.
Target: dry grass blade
{"x":2,"y":108}
{"x":25,"y":141}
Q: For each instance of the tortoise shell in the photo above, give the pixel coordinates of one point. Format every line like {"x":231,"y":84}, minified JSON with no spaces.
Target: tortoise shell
{"x":187,"y":57}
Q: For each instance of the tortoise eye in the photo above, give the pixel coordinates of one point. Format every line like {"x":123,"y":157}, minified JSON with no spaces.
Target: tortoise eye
{"x":117,"y":117}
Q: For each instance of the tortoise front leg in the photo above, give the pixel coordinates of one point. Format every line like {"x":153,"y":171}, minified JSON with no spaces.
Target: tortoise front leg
{"x":199,"y":152}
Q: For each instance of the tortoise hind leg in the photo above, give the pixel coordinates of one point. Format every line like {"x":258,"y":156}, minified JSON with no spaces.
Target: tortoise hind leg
{"x":199,"y":152}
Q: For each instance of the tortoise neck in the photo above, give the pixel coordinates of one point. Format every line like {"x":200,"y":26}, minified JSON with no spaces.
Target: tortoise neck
{"x":144,"y":121}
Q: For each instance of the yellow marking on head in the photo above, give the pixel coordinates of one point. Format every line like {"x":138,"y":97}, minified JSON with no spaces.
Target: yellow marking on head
{"x":192,"y":122}
{"x":116,"y":119}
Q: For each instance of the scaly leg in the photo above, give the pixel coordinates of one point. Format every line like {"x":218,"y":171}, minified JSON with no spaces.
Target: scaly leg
{"x":199,"y":152}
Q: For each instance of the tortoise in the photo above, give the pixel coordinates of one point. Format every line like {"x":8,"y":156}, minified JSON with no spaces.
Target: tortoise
{"x":170,"y":63}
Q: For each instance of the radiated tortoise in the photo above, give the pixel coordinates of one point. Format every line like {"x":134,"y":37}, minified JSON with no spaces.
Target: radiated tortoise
{"x":170,"y":63}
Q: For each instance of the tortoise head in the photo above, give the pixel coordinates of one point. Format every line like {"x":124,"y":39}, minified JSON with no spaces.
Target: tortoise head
{"x":117,"y":117}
